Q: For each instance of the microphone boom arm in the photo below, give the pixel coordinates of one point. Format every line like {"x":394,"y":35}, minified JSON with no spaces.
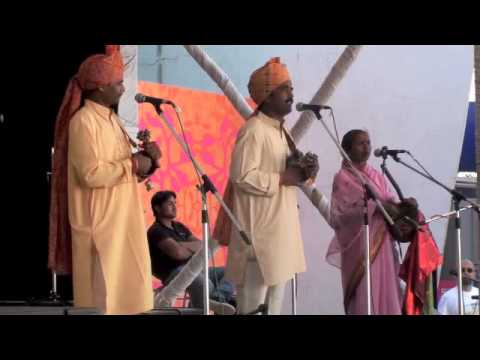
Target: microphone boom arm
{"x":456,"y":195}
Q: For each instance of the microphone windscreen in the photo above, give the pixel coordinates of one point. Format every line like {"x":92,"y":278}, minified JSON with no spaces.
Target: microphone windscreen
{"x":140,"y":98}
{"x":377,"y":152}
{"x":300,"y":106}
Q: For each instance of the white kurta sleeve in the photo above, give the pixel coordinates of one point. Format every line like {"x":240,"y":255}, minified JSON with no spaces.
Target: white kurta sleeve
{"x":246,"y":159}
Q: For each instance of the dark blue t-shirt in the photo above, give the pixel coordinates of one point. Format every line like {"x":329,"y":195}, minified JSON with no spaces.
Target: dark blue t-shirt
{"x":162,"y":264}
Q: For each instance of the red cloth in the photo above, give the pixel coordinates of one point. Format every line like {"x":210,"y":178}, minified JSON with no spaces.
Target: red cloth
{"x":95,"y":71}
{"x":422,"y":258}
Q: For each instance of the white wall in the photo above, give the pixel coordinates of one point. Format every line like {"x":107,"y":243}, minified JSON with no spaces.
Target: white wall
{"x":408,"y":97}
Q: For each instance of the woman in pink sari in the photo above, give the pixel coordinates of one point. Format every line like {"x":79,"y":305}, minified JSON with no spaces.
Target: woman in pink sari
{"x":347,"y":249}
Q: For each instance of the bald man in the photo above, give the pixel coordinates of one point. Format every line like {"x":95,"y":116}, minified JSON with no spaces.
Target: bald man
{"x":449,"y":302}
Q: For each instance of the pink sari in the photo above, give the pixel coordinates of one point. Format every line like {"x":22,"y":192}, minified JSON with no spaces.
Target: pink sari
{"x":347,"y":249}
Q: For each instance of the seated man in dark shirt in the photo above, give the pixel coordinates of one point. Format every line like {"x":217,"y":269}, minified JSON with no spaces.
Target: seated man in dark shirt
{"x":172,"y":245}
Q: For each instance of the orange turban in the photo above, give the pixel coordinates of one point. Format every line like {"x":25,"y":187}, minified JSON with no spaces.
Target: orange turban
{"x":101,"y":70}
{"x":95,"y":71}
{"x":266,"y":79}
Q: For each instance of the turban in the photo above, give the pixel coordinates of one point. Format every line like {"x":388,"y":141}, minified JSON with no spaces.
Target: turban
{"x":266,"y":79}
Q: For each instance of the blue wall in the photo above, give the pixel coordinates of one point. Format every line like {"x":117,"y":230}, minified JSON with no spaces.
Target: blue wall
{"x":171,"y":64}
{"x":467,"y":160}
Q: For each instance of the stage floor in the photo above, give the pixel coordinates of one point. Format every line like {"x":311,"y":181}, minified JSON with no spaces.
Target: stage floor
{"x":24,"y":308}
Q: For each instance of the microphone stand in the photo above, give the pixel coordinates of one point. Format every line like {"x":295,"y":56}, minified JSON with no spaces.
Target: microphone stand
{"x":54,"y":299}
{"x":294,"y":294}
{"x":369,"y":194}
{"x":204,"y":188}
{"x":457,"y":198}
{"x":395,"y":185}
{"x":443,"y":216}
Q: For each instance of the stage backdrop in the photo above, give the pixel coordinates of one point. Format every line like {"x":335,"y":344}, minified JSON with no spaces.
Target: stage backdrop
{"x":408,"y":97}
{"x":210,"y":125}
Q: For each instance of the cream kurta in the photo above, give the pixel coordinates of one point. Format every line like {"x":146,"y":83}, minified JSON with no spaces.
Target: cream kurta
{"x":111,"y":260}
{"x":268,"y":212}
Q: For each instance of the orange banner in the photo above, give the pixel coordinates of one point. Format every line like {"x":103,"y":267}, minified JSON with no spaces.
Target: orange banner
{"x":211,"y":125}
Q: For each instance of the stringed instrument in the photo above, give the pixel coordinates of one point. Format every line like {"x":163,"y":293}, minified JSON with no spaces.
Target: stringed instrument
{"x":144,"y":136}
{"x":403,"y":214}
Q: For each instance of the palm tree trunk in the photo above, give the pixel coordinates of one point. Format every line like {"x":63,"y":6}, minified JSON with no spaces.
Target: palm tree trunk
{"x":327,"y":89}
{"x":221,"y":79}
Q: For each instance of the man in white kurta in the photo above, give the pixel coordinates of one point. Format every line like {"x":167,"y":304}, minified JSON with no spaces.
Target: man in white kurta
{"x":264,"y":197}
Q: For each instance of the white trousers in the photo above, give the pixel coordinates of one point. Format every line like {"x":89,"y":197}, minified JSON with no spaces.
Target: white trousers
{"x":253,"y":292}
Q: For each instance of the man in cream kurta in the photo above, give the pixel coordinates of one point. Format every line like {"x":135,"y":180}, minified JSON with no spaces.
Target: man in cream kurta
{"x":101,"y":239}
{"x":264,"y":197}
{"x":111,"y":262}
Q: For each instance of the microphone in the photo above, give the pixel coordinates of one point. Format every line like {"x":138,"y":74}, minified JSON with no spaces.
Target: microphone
{"x":304,"y":107}
{"x":384,"y":152}
{"x":140,"y":98}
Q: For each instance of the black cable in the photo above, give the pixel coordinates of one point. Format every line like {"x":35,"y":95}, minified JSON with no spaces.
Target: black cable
{"x":426,"y":171}
{"x":187,"y":146}
{"x":335,"y":125}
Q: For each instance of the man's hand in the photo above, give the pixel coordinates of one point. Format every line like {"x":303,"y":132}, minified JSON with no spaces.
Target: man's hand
{"x":142,"y":178}
{"x":412,"y":201}
{"x":292,"y":176}
{"x":153,"y":151}
{"x":307,"y":163}
{"x":141,"y":164}
{"x":310,"y":165}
